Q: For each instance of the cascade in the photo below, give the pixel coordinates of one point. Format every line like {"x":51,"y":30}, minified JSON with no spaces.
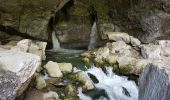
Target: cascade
{"x":56,"y":44}
{"x":116,"y":87}
{"x":93,"y":37}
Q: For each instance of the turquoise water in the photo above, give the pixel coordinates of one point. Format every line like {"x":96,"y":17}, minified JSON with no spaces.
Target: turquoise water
{"x":67,"y":56}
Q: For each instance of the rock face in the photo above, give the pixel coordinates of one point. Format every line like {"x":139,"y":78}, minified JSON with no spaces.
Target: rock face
{"x":29,"y":17}
{"x":154,"y":83}
{"x":72,"y":19}
{"x":17,"y":70}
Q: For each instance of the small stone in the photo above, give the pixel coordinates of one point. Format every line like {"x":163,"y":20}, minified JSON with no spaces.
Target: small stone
{"x":40,"y":82}
{"x":65,"y":67}
{"x":53,"y":69}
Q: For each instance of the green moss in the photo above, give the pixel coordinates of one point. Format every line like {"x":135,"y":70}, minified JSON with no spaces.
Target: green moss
{"x":68,"y":98}
{"x":126,"y":69}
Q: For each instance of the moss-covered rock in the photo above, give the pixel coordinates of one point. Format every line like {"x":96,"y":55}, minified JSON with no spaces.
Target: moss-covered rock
{"x":40,"y":82}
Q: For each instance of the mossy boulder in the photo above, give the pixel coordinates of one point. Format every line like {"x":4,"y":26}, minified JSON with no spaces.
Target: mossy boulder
{"x":40,"y":82}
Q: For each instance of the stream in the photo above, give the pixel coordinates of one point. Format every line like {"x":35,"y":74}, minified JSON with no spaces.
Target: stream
{"x":109,"y":86}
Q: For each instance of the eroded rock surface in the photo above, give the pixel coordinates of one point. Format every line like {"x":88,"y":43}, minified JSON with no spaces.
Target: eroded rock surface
{"x":17,"y":68}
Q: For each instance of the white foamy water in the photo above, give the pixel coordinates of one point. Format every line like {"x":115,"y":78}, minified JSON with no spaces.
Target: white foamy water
{"x":56,"y":44}
{"x":116,"y":87}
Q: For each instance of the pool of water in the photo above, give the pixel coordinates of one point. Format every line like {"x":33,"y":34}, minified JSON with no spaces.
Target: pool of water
{"x":67,"y":56}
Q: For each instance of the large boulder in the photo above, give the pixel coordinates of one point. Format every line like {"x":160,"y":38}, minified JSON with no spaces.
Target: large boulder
{"x":17,"y":69}
{"x":154,"y":83}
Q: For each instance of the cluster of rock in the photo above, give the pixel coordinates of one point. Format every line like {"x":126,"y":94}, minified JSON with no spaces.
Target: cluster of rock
{"x":128,"y":56}
{"x":20,"y":64}
{"x":57,"y":71}
{"x":123,"y":54}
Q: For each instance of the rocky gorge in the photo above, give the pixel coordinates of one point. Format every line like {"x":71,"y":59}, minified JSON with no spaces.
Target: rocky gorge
{"x":84,"y":50}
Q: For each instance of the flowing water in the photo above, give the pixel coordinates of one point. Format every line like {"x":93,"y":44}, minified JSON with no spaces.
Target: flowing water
{"x":93,"y":37}
{"x":116,"y":87}
{"x":109,"y":86}
{"x":56,"y":44}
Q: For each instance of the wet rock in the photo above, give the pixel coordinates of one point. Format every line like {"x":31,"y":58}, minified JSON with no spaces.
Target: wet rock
{"x":40,"y":82}
{"x":154,"y":83}
{"x":86,"y":54}
{"x":65,"y":67}
{"x":53,"y":69}
{"x":87,"y":83}
{"x":71,"y":90}
{"x":86,"y":61}
{"x":118,"y":36}
{"x":19,"y":68}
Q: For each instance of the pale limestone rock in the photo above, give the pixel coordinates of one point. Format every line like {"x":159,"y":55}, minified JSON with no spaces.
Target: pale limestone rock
{"x":17,"y":69}
{"x":125,"y":61}
{"x":103,"y":52}
{"x":139,"y":66}
{"x":111,"y":59}
{"x":134,"y":41}
{"x":99,"y":59}
{"x":84,"y":78}
{"x":51,"y":95}
{"x":151,"y":51}
{"x":53,"y":69}
{"x":118,"y":36}
{"x":34,"y":47}
{"x":117,"y":46}
{"x":165,"y":47}
{"x":40,"y":82}
{"x":22,"y":45}
{"x":38,"y":48}
{"x":65,"y":67}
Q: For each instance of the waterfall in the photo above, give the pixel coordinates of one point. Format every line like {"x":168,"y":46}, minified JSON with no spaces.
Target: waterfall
{"x":93,"y":37}
{"x":56,"y":44}
{"x":116,"y":87}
